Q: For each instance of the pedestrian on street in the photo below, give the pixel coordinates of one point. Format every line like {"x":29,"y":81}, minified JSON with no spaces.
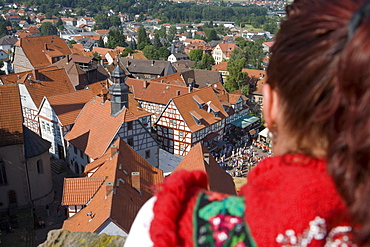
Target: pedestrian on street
{"x":47,"y":210}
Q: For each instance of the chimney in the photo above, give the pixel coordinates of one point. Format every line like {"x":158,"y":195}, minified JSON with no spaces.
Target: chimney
{"x":135,"y":181}
{"x":178,"y":92}
{"x":190,"y":89}
{"x":113,"y":149}
{"x":109,"y":186}
{"x":67,"y":57}
{"x":46,"y":47}
{"x":162,"y":81}
{"x":206,"y":157}
{"x":145,"y":84}
{"x":152,"y":63}
{"x":35,"y":74}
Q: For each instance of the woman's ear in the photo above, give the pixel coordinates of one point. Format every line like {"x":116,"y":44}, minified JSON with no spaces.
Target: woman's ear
{"x":270,"y":106}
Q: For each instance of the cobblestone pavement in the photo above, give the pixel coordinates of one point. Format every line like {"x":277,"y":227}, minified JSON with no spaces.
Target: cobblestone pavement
{"x":53,"y":220}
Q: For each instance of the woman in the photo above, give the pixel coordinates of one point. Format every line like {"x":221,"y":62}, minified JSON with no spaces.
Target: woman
{"x":315,"y":191}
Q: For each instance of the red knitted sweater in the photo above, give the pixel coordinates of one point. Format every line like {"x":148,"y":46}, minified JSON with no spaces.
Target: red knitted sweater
{"x":289,"y":200}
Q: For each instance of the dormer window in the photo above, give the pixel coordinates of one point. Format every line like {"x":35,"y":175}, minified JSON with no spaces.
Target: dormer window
{"x":199,"y":101}
{"x":197,"y":118}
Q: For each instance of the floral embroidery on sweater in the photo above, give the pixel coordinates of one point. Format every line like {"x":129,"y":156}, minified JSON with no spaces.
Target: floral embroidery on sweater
{"x":317,"y":230}
{"x":219,"y":221}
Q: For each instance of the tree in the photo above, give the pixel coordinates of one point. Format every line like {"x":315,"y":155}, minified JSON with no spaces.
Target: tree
{"x":48,"y":29}
{"x":236,"y":78}
{"x":133,"y":45}
{"x":156,"y":42}
{"x":206,"y":62}
{"x":142,"y":38}
{"x":172,"y":33}
{"x":126,"y":52}
{"x":150,"y":52}
{"x":96,"y":56}
{"x":211,"y":34}
{"x":163,"y":53}
{"x":196,"y":55}
{"x":101,"y":42}
{"x":115,"y":39}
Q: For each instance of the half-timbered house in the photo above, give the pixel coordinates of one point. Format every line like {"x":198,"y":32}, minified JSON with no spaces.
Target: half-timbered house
{"x":189,"y":119}
{"x":57,"y":115}
{"x":153,"y":96}
{"x":103,"y":121}
{"x":33,"y":86}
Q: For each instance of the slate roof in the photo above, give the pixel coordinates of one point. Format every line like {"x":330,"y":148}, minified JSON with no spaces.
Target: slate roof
{"x":156,"y":92}
{"x":187,"y":104}
{"x":33,"y":144}
{"x":202,"y":77}
{"x":11,"y":120}
{"x":122,"y":204}
{"x":142,"y":66}
{"x":67,"y":106}
{"x":39,"y":49}
{"x":8,"y":40}
{"x":218,"y":179}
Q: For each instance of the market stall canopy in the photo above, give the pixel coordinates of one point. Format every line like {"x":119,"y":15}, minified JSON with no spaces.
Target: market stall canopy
{"x":245,"y":121}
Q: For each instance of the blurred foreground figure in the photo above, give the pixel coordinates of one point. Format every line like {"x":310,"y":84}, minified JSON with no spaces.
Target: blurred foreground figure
{"x":316,"y":190}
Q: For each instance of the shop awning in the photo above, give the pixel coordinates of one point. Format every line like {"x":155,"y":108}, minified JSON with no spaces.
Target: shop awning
{"x":245,"y":121}
{"x":264,"y":132}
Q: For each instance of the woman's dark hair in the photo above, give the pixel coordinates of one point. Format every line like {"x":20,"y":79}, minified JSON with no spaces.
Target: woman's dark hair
{"x":320,"y":66}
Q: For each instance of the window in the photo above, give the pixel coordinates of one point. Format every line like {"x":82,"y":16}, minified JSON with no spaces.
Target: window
{"x":130,"y":141}
{"x":48,"y":127}
{"x":40,"y":167}
{"x":3,"y":179}
{"x":181,"y":134}
{"x":129,"y":125}
{"x":147,"y":154}
{"x":43,"y":125}
{"x":181,"y":147}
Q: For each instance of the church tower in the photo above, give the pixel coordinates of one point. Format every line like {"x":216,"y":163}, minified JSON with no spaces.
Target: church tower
{"x":118,"y":91}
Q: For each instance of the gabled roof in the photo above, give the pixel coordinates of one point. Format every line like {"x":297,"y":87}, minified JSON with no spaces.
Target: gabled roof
{"x":67,"y":106}
{"x":142,"y":66}
{"x":11,"y":120}
{"x":121,"y":195}
{"x":40,"y":49}
{"x":8,"y":40}
{"x":78,"y":191}
{"x":174,"y":79}
{"x":202,"y":77}
{"x":227,"y":48}
{"x":46,"y":83}
{"x":95,"y":128}
{"x":219,"y":180}
{"x":155,"y":92}
{"x":257,"y":74}
{"x":220,"y":67}
{"x":188,"y":103}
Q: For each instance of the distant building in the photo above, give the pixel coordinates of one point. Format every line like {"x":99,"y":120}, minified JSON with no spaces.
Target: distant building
{"x":37,"y":52}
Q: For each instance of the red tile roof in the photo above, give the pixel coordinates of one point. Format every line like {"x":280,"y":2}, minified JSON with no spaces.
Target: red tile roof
{"x":95,"y":128}
{"x":67,"y":106}
{"x":155,"y":92}
{"x":122,"y":204}
{"x":174,"y":79}
{"x":220,"y":67}
{"x":78,"y":191}
{"x":39,"y":49}
{"x":47,"y":83}
{"x":219,"y":180}
{"x":11,"y":120}
{"x":186,"y":103}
